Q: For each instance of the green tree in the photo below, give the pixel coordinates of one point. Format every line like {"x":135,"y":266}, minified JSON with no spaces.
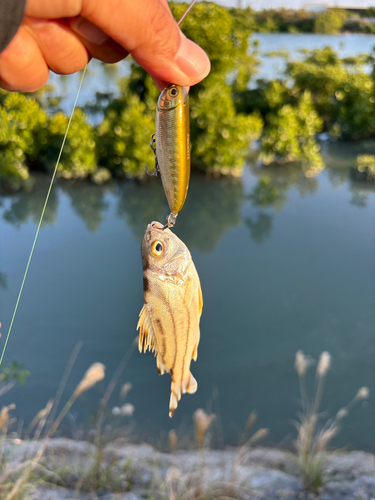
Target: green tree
{"x":330,"y":21}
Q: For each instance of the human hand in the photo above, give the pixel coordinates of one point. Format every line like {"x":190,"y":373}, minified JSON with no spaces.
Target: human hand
{"x":62,"y":35}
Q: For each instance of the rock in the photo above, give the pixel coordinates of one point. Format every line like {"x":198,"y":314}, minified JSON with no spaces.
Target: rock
{"x":350,"y":466}
{"x":272,"y":459}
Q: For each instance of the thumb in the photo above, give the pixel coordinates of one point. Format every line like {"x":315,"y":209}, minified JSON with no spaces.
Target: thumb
{"x":147,"y":30}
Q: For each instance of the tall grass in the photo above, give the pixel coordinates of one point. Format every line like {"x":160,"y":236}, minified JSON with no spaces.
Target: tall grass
{"x":314,"y":434}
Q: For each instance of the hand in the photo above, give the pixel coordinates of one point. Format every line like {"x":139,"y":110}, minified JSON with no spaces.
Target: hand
{"x":62,"y":35}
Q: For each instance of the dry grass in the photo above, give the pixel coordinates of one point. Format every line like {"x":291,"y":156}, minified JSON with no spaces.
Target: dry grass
{"x":313,"y":436}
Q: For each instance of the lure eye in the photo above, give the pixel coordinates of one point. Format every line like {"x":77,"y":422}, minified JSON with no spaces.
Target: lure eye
{"x":157,"y":248}
{"x":173,"y":92}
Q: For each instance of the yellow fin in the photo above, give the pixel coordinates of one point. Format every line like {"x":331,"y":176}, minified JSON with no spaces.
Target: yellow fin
{"x":161,"y":366}
{"x":192,"y":385}
{"x":194,"y":354}
{"x":200,"y":300}
{"x":146,"y":339}
{"x":189,"y":384}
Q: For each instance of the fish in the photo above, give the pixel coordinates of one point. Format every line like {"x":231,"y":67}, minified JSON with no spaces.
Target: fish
{"x":173,"y":301}
{"x":172,"y":146}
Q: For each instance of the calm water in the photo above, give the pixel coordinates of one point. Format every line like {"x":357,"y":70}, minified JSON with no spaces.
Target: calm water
{"x":295,"y":270}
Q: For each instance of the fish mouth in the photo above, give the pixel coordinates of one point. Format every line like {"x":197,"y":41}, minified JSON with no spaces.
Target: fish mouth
{"x":155,"y":225}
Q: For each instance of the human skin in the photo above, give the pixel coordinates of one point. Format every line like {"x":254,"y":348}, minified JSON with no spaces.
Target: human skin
{"x":63,"y":35}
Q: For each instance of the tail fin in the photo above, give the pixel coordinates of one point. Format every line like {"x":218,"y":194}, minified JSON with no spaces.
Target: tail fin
{"x":189,"y":384}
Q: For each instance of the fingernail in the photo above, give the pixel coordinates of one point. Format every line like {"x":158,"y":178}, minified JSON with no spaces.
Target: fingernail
{"x":89,"y":31}
{"x":191,"y":59}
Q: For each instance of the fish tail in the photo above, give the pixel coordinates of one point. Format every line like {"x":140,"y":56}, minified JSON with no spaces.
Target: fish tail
{"x":189,"y":384}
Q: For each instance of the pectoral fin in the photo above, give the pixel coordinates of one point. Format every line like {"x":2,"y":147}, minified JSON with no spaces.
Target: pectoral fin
{"x":146,"y":339}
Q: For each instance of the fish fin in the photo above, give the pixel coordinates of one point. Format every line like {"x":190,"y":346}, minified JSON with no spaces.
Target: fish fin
{"x":189,"y":384}
{"x":146,"y":338}
{"x":175,"y":397}
{"x":161,"y":366}
{"x":200,"y":300}
{"x":192,"y":384}
{"x":194,"y":354}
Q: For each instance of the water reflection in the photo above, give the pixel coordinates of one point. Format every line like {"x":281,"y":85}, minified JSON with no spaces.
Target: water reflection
{"x":260,"y":226}
{"x":212,"y":207}
{"x":139,"y":204}
{"x":27,"y":206}
{"x":3,"y":281}
{"x":87,"y":201}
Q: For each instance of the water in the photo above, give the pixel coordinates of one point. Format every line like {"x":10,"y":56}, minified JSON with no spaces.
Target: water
{"x":345,"y":45}
{"x":293,"y":272}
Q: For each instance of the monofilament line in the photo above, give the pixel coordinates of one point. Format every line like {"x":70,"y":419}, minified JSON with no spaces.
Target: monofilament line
{"x":186,"y":12}
{"x":42,"y":216}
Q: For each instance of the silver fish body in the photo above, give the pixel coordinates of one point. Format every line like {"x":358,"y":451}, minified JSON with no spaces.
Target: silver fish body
{"x":169,"y":319}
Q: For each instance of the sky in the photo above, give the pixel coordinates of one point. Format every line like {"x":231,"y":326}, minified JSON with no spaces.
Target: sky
{"x":296,"y":4}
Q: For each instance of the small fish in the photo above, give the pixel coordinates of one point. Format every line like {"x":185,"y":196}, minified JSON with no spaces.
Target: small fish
{"x":172,"y":138}
{"x":169,"y":320}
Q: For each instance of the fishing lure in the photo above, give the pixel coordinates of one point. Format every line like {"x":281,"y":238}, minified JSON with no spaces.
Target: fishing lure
{"x":169,"y":320}
{"x":171,"y":146}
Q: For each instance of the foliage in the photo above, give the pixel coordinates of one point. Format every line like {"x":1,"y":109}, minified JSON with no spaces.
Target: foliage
{"x":365,"y":167}
{"x":330,"y":21}
{"x":19,"y":118}
{"x":123,"y":137}
{"x":78,"y":158}
{"x":290,"y":135}
{"x":15,"y":371}
{"x":284,"y":21}
{"x":342,"y":92}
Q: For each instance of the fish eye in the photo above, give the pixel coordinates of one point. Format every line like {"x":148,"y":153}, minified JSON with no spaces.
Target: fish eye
{"x":173,"y":92}
{"x":157,"y":248}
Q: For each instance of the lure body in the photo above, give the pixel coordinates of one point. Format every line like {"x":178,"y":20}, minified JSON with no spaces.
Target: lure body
{"x":172,"y":137}
{"x":169,"y":320}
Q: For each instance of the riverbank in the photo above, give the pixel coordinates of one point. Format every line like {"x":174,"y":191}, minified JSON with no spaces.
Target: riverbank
{"x":133,"y":472}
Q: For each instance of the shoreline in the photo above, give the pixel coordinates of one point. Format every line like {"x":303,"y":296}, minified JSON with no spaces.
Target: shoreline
{"x":135,"y":471}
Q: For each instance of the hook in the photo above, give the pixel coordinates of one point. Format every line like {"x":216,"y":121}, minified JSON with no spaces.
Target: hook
{"x":171,"y":220}
{"x":153,"y":147}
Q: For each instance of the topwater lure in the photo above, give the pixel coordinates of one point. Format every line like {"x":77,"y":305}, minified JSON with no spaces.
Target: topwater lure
{"x":171,"y":146}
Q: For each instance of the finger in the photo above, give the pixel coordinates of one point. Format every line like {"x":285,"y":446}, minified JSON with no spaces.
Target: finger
{"x":62,"y":50}
{"x":152,"y":37}
{"x":22,"y":65}
{"x":145,"y":28}
{"x":98,"y":43}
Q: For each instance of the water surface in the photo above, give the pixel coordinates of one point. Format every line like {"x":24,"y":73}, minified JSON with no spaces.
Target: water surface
{"x":282,"y":269}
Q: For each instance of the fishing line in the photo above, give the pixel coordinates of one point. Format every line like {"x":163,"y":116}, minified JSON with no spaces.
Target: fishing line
{"x":42,"y":216}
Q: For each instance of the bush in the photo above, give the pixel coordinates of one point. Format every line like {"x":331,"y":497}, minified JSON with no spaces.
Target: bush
{"x":290,"y":135}
{"x":342,"y":92}
{"x":330,"y":21}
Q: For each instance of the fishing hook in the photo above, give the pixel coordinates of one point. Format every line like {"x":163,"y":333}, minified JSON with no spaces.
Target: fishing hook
{"x":153,"y":147}
{"x":171,"y":221}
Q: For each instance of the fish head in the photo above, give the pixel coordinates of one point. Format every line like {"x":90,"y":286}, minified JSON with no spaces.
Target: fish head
{"x":171,"y":97}
{"x":163,"y":252}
